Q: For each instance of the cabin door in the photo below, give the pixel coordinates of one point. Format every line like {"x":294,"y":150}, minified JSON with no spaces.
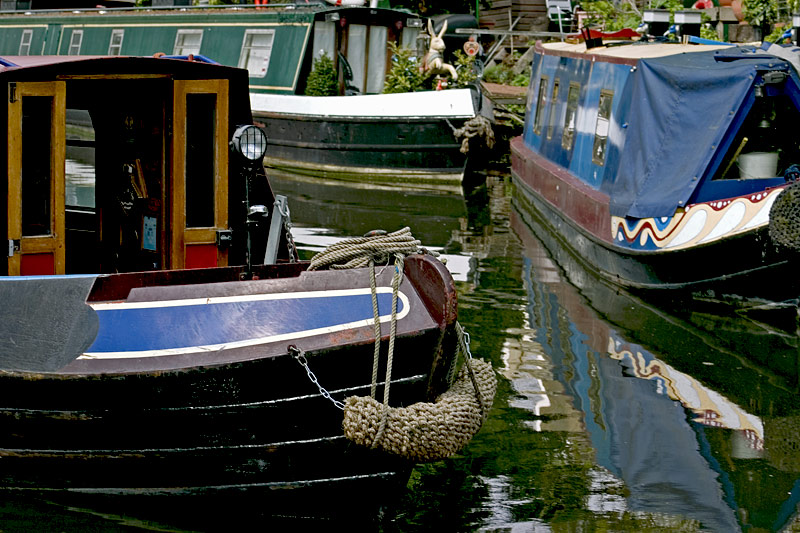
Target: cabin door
{"x":35,"y":170}
{"x":199,"y":189}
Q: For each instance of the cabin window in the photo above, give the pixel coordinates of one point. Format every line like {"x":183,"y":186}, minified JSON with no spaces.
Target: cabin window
{"x":187,"y":42}
{"x":37,"y":123}
{"x":601,"y":129}
{"x":571,"y":117}
{"x":79,"y":166}
{"x":409,"y":38}
{"x":256,"y":50}
{"x":377,"y":59}
{"x":356,"y":56}
{"x":551,"y":121}
{"x":541,"y":103}
{"x":324,"y":39}
{"x":75,"y":41}
{"x":115,"y":45}
{"x":201,"y":119}
{"x":25,"y":42}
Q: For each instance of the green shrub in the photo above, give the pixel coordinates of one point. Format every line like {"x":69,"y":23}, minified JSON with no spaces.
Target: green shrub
{"x":323,"y":80}
{"x":404,"y":75}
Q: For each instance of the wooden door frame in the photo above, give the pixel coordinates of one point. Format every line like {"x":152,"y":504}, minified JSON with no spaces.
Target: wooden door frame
{"x":181,"y":235}
{"x":39,"y":244}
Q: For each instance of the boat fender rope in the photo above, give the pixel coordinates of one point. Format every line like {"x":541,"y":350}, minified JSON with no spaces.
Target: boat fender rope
{"x":784,"y":218}
{"x":423,"y":431}
{"x":478,"y":126}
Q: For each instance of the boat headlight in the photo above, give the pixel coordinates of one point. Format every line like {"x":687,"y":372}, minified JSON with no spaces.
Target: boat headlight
{"x":249,"y":142}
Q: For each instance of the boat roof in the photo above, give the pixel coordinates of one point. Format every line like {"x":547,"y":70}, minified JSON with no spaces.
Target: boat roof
{"x":115,"y":64}
{"x":630,"y":50}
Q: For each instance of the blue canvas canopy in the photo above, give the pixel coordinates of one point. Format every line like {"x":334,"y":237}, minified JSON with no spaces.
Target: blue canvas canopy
{"x":676,"y":110}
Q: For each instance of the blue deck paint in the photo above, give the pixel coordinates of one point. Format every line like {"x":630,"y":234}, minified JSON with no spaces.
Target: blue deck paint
{"x":207,"y":324}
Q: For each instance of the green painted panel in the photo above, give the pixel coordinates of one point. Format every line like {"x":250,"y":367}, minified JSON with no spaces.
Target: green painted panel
{"x":147,"y":34}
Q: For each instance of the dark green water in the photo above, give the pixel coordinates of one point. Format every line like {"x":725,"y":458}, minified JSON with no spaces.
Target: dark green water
{"x":612,"y":414}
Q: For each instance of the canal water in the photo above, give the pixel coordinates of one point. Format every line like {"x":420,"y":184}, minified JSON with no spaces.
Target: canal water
{"x":613,"y":413}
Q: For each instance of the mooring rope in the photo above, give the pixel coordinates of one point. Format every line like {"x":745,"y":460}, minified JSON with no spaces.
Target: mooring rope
{"x":457,"y":414}
{"x":477,"y":126}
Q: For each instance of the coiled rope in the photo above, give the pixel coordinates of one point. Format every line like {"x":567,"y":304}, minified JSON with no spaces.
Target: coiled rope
{"x":784,"y":218}
{"x":423,"y":431}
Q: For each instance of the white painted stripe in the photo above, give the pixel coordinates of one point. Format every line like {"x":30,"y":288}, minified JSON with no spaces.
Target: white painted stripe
{"x":233,"y":299}
{"x":453,"y":103}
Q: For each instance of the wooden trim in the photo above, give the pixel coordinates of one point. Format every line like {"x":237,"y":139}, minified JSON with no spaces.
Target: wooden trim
{"x":54,"y":242}
{"x":181,"y":235}
{"x":111,"y":76}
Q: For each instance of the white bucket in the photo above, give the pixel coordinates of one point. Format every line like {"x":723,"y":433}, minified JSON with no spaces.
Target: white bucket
{"x":758,"y":165}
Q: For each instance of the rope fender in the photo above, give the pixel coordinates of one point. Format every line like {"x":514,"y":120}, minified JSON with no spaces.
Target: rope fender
{"x":477,"y":126}
{"x":425,"y":431}
{"x":784,"y":218}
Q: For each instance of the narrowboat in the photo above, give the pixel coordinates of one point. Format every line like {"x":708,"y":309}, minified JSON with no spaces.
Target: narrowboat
{"x":666,"y":165}
{"x":367,"y":135}
{"x":158,"y":334}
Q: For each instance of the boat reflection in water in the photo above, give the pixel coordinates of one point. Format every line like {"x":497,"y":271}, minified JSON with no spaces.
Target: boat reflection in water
{"x":683,"y":428}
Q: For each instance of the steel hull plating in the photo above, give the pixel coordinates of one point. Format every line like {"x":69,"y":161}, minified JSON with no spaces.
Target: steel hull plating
{"x":244,"y":417}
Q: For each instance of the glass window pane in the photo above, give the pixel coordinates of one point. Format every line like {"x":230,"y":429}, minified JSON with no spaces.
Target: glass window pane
{"x":201,"y":116}
{"x":551,"y":122}
{"x":25,"y":42}
{"x":256,"y":51}
{"x":37,"y":120}
{"x":601,"y":128}
{"x":356,"y":45}
{"x":115,"y":45}
{"x":188,"y":42}
{"x":377,"y":59}
{"x":324,"y":39}
{"x":75,"y":43}
{"x":571,"y":116}
{"x":541,"y":102}
{"x":79,"y":166}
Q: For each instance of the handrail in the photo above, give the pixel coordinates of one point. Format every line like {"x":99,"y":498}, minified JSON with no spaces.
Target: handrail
{"x":234,"y":7}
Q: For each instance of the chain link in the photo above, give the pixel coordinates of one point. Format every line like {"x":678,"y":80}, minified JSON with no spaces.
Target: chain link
{"x":287,"y":227}
{"x":300,"y":356}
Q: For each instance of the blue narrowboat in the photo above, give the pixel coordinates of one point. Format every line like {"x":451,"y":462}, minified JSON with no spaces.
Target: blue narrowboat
{"x":666,"y":165}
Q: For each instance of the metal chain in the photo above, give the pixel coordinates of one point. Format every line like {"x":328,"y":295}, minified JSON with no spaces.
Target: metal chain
{"x":287,"y":226}
{"x":300,"y":357}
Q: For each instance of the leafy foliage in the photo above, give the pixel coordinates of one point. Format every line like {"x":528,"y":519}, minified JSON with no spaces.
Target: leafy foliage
{"x":404,"y":75}
{"x":465,"y":67}
{"x":504,"y":72}
{"x":323,"y":80}
{"x":613,"y":16}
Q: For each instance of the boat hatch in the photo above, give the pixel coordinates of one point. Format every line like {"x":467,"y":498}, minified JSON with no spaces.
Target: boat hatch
{"x":761,"y":146}
{"x":111,"y":174}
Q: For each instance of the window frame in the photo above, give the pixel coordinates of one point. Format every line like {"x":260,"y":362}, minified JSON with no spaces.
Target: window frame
{"x":25,"y":47}
{"x":551,"y":120}
{"x":568,"y":135}
{"x":112,"y":46}
{"x":245,"y":53}
{"x":541,"y":104}
{"x":73,"y":45}
{"x":178,"y":40}
{"x":602,"y":140}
